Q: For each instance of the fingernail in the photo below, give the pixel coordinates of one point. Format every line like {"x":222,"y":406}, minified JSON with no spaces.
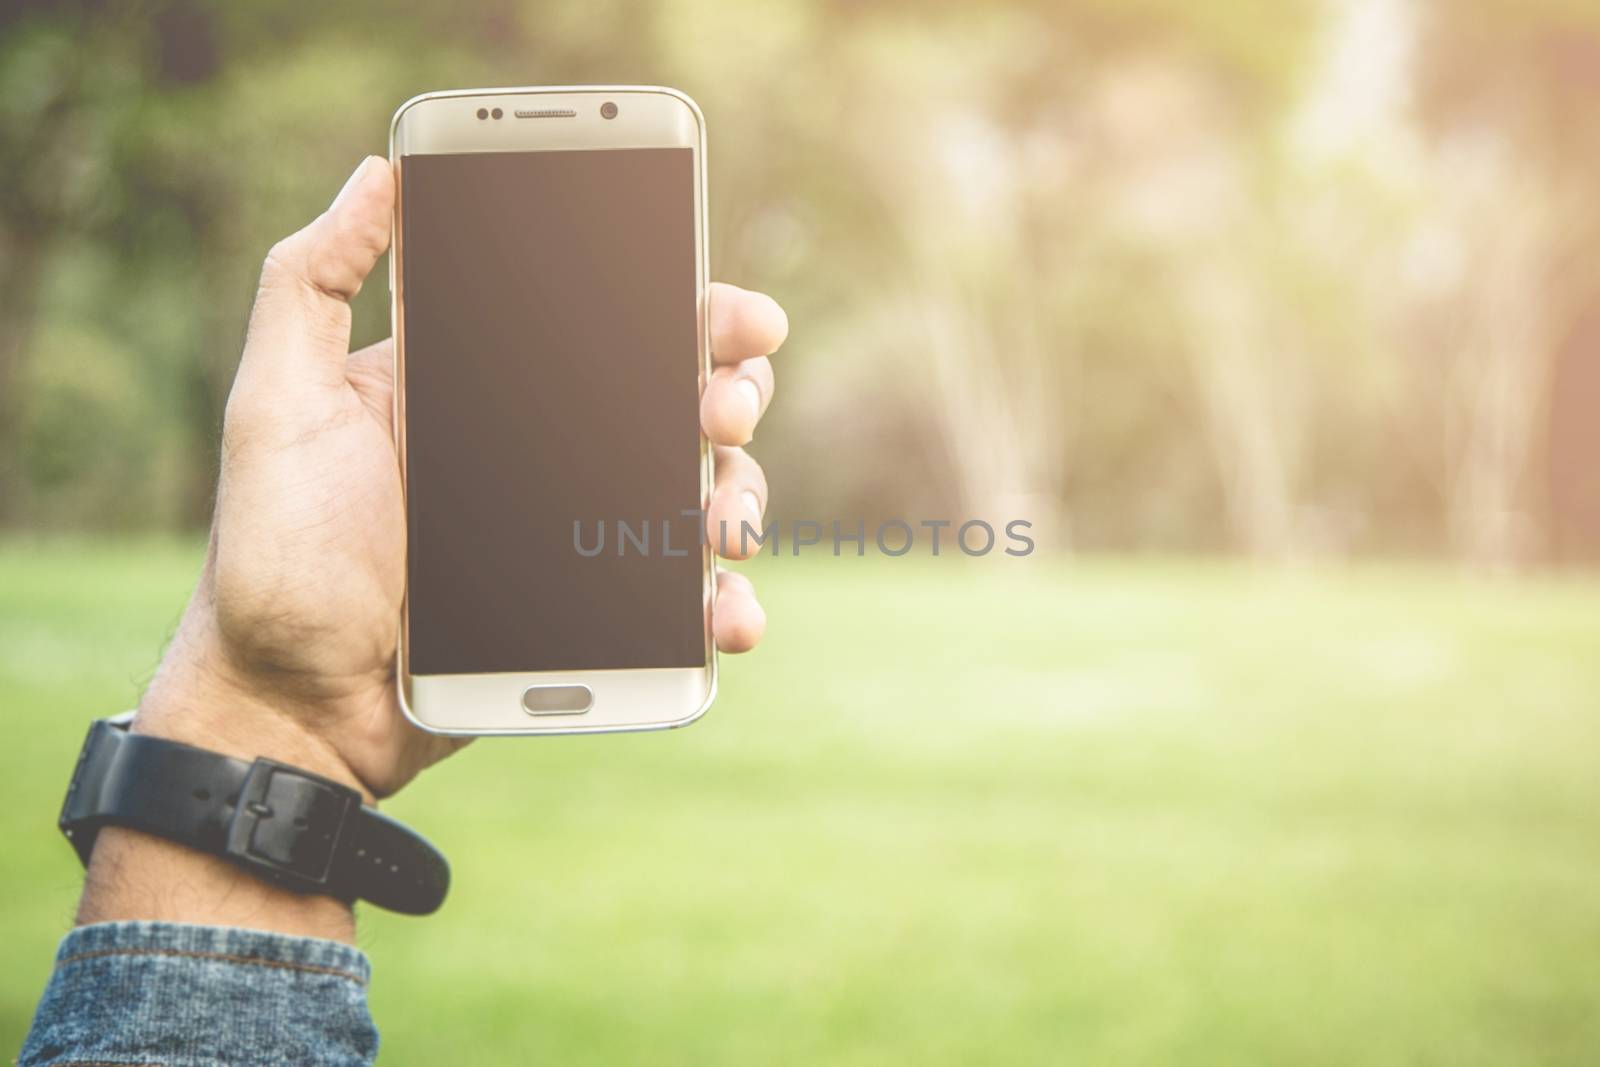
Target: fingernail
{"x":354,"y":179}
{"x":752,"y":504}
{"x":752,"y":398}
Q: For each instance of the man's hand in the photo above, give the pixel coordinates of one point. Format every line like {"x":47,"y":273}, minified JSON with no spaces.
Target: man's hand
{"x":287,"y":648}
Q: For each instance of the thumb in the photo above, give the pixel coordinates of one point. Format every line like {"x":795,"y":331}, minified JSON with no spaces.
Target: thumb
{"x":300,"y":326}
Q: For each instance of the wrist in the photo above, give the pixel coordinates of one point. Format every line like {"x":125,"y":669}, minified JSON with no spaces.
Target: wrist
{"x":202,"y":697}
{"x":199,"y":697}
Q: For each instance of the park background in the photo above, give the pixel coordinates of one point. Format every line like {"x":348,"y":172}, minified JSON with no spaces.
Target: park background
{"x":1279,"y":319}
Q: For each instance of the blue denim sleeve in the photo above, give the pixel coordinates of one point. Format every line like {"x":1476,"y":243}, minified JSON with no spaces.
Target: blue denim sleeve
{"x":169,"y":995}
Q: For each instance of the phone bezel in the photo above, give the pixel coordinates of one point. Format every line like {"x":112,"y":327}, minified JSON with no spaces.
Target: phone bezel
{"x":647,"y":117}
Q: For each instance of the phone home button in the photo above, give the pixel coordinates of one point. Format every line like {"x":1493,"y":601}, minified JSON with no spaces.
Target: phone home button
{"x":557,"y":699}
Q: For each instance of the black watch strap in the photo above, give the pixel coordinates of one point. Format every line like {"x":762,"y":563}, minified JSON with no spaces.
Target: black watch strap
{"x":288,"y":826}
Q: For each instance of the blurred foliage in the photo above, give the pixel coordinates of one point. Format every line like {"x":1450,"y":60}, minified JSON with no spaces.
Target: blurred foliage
{"x":1148,"y":273}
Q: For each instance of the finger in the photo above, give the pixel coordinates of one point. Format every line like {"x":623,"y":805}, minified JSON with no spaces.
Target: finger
{"x":738,"y":621}
{"x":738,"y":500}
{"x":744,"y":324}
{"x":300,"y":326}
{"x":735,"y":399}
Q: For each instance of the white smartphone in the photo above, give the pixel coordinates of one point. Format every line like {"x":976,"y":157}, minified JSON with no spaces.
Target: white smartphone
{"x":549,"y":288}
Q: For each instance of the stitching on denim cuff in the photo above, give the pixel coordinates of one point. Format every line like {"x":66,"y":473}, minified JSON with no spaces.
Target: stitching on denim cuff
{"x":221,"y":957}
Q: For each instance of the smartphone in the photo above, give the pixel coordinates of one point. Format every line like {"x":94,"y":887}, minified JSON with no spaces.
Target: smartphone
{"x":548,"y":273}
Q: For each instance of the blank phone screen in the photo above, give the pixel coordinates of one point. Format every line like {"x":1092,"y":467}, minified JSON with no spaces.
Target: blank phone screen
{"x":552,"y":411}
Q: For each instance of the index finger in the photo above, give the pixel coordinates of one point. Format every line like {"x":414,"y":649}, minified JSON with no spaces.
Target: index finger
{"x":743,"y":324}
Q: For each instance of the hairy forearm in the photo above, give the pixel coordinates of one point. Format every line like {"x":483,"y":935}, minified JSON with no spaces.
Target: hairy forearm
{"x":136,"y":876}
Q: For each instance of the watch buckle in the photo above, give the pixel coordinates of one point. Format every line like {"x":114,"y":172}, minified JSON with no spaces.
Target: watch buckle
{"x":287,"y":824}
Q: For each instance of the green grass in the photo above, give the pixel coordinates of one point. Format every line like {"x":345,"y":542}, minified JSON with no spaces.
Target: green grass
{"x":1104,"y":812}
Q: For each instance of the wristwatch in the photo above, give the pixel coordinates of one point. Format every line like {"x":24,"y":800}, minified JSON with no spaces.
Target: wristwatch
{"x":285,"y":825}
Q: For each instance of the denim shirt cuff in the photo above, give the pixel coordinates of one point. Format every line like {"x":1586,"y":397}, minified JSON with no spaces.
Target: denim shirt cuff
{"x":173,"y":995}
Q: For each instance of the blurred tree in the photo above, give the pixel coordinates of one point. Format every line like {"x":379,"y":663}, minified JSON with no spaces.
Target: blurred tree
{"x":49,"y":60}
{"x":1280,"y":277}
{"x":1508,"y":92}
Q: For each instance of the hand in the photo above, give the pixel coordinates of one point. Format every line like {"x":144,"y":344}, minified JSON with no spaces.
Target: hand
{"x":287,"y":648}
